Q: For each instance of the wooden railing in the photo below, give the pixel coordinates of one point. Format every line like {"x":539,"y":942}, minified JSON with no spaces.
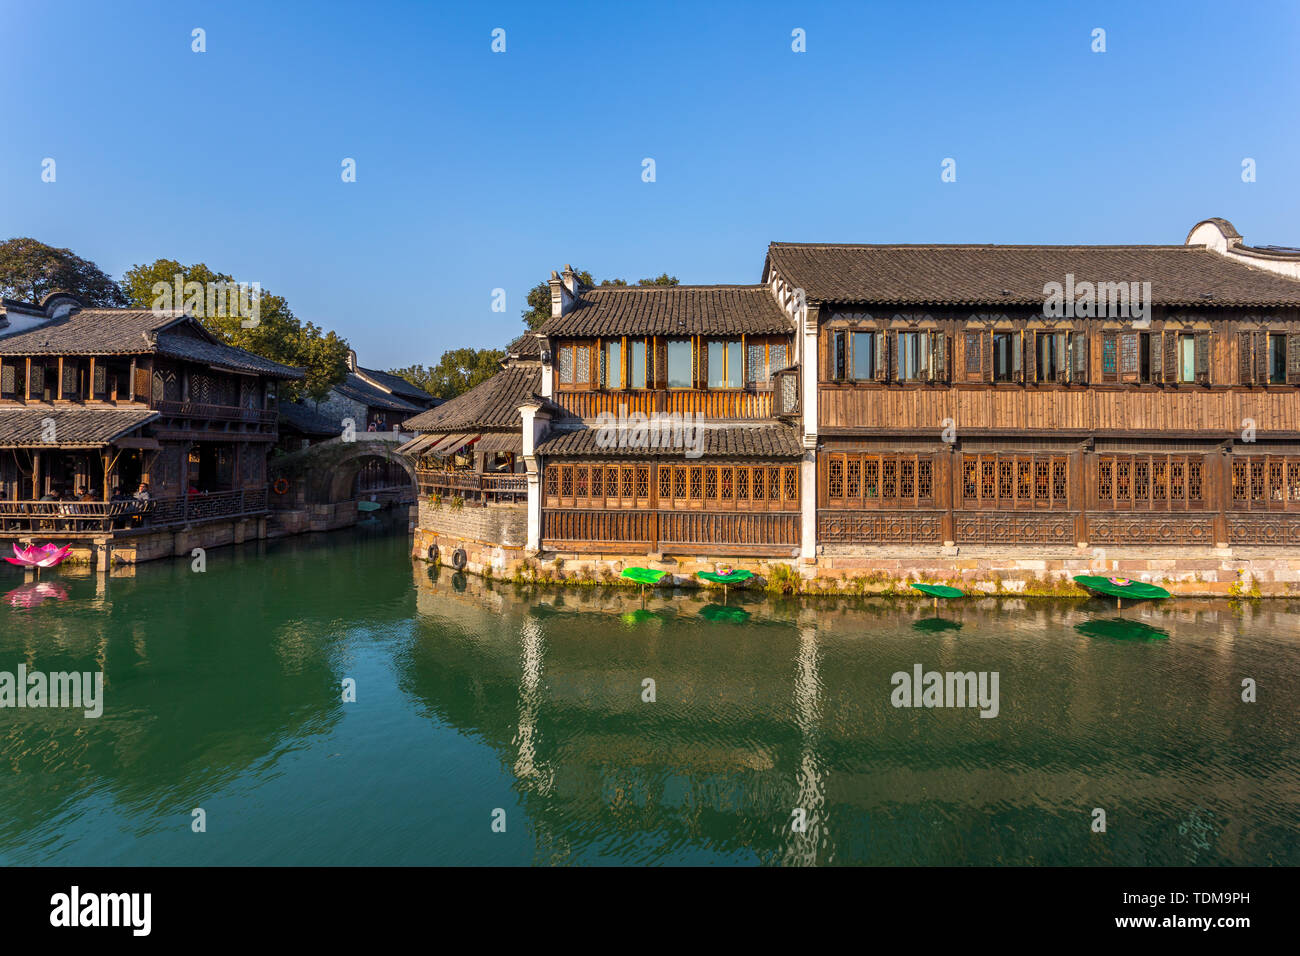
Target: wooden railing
{"x":186,"y":509}
{"x":70,"y":516}
{"x":706,"y":403}
{"x":733,"y":533}
{"x":472,"y":484}
{"x":235,"y":413}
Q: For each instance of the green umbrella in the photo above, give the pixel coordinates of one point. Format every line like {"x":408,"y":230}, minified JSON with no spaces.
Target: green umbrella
{"x":937,"y":591}
{"x":1121,"y":588}
{"x":643,"y":576}
{"x":731,"y":577}
{"x":1121,"y":629}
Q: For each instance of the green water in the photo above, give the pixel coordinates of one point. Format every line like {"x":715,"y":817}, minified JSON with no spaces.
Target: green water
{"x":223,"y":693}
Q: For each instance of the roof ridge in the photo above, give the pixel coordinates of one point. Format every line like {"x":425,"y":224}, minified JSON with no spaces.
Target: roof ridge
{"x":978,"y":245}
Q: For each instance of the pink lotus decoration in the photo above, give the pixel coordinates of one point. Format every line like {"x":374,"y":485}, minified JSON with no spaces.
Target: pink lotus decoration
{"x":35,"y":594}
{"x":46,"y":556}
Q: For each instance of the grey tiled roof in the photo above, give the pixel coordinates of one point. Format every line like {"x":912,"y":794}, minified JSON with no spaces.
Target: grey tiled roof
{"x":397,"y":385}
{"x":359,"y":390}
{"x":225,"y":356}
{"x":300,"y":418}
{"x":1015,"y":275}
{"x":91,"y":332}
{"x":491,"y":404}
{"x":527,"y":346}
{"x":731,"y":440}
{"x":137,"y":332}
{"x":672,"y":310}
{"x":73,"y":427}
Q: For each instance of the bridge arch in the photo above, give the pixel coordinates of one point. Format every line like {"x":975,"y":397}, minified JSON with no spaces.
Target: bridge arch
{"x":325,"y":473}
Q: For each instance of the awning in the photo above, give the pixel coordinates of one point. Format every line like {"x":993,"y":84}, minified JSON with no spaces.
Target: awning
{"x":418,"y":445}
{"x":450,"y":445}
{"x":501,"y":441}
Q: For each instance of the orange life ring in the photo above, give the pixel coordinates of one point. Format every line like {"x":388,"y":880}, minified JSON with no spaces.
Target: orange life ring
{"x":281,"y":486}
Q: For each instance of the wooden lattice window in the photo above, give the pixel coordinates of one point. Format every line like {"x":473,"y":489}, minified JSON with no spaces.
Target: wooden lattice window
{"x":1265,"y":483}
{"x":1009,"y":481}
{"x":875,"y":481}
{"x":1150,"y":482}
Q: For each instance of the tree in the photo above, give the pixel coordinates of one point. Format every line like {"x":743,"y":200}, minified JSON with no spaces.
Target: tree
{"x":457,"y":371}
{"x":279,"y":335}
{"x":31,"y":270}
{"x":539,"y":296}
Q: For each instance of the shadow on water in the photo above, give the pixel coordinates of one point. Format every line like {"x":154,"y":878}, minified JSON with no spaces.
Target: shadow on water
{"x":681,"y":730}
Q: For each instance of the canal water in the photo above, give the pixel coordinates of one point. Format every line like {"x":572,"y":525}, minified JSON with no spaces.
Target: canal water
{"x":772,"y":736}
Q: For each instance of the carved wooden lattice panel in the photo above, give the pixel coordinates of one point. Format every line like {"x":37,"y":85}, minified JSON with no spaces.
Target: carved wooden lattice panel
{"x":1150,"y":529}
{"x":1264,"y":529}
{"x":879,"y":527}
{"x":1013,"y":528}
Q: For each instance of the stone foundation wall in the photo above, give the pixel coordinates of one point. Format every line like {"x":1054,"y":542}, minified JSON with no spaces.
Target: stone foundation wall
{"x":493,"y":537}
{"x":1209,"y":572}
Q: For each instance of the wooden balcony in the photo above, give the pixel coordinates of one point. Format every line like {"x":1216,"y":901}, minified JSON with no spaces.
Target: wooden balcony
{"x":732,"y":403}
{"x":1165,"y":411}
{"x":61,"y":519}
{"x":473,"y":485}
{"x":770,"y":534}
{"x":225,"y":413}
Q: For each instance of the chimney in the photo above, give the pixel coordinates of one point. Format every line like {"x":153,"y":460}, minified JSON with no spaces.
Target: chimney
{"x":564,"y":292}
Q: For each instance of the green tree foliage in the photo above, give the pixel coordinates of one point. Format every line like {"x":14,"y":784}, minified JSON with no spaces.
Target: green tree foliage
{"x":457,"y":371}
{"x":279,"y":335}
{"x":539,"y":296}
{"x":31,"y":270}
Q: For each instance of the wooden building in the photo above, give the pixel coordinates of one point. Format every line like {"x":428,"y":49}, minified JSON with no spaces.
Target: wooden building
{"x":95,"y":403}
{"x":1156,"y":405}
{"x":922,"y":396}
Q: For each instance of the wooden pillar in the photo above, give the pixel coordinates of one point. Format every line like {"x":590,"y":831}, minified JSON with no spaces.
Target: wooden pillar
{"x":57,"y":393}
{"x":36,"y":474}
{"x":90,"y":381}
{"x":27,"y":382}
{"x":948,"y":488}
{"x":1081,"y":494}
{"x":105,"y":461}
{"x":1219,"y":493}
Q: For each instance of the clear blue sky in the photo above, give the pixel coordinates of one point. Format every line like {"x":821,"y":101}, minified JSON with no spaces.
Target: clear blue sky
{"x":478,"y":170}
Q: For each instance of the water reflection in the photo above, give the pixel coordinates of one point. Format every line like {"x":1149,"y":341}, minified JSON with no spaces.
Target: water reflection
{"x":774,"y":741}
{"x":770,"y":737}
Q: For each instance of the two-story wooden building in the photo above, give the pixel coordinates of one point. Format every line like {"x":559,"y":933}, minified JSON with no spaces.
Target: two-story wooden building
{"x":962,"y":399}
{"x":98,"y":404}
{"x":922,"y":400}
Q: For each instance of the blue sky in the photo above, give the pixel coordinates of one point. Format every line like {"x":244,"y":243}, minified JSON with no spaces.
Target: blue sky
{"x":478,"y":171}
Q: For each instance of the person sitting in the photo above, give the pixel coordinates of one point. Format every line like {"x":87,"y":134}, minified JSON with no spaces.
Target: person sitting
{"x":142,"y":493}
{"x":83,"y":494}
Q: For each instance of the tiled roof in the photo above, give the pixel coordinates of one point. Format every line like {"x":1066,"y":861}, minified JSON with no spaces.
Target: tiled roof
{"x":137,"y":332}
{"x":1016,"y":275}
{"x":732,"y":440}
{"x":223,"y":356}
{"x":669,"y":310}
{"x":527,"y":346}
{"x":302,"y":419}
{"x":91,"y":332}
{"x":359,"y":390}
{"x":491,"y":404}
{"x":73,"y":427}
{"x":397,"y":385}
